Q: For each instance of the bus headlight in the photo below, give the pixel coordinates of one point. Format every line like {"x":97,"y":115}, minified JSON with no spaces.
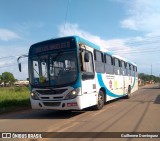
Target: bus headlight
{"x":72,"y":94}
{"x":34,"y":96}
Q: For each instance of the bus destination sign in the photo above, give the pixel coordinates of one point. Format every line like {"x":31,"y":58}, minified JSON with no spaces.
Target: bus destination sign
{"x":51,"y":47}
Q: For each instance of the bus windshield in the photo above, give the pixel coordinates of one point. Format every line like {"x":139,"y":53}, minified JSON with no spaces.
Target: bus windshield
{"x":55,"y":69}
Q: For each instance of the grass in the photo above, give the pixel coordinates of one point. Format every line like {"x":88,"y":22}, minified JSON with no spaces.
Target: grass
{"x":13,"y":98}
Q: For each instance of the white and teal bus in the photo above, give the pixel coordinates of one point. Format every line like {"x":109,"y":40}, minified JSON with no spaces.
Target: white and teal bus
{"x":71,"y":73}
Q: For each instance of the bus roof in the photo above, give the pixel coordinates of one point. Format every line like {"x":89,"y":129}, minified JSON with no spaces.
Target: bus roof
{"x":82,"y":40}
{"x":79,"y":39}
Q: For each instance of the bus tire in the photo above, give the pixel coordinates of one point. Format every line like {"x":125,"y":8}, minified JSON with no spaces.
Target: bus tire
{"x":100,"y":102}
{"x":129,"y":92}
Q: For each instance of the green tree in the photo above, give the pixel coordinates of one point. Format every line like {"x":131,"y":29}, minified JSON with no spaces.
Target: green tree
{"x":7,"y":77}
{"x":146,"y":77}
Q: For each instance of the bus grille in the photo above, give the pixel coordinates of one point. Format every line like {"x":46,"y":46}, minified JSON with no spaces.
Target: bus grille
{"x":52,"y":103}
{"x":51,"y":92}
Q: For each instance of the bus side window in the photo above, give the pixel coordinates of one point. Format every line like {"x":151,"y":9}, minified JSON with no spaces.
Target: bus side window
{"x":127,"y":69}
{"x":123,"y":64}
{"x":116,"y":62}
{"x":117,"y":66}
{"x":129,"y":66}
{"x":136,"y":74}
{"x":120,"y":63}
{"x":88,"y":67}
{"x":109,"y":64}
{"x":123,"y":68}
{"x":85,"y":66}
{"x":99,"y":61}
{"x":120,"y":66}
{"x":80,"y":60}
{"x":133,"y":70}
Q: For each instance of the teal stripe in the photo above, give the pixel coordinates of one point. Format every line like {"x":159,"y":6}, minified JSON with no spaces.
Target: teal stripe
{"x":108,"y":92}
{"x":133,"y":83}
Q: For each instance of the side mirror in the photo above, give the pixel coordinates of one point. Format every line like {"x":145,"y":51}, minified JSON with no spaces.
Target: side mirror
{"x":86,"y":57}
{"x":19,"y":66}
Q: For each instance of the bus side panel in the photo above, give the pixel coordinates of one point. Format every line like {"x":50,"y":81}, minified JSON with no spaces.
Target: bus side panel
{"x":89,"y":93}
{"x":105,"y":83}
{"x":118,"y":85}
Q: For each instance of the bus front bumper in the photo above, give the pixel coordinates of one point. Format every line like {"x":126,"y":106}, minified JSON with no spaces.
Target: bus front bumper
{"x":71,"y":104}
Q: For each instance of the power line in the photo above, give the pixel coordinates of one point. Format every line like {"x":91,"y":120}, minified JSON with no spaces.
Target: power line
{"x":138,"y":50}
{"x":117,"y":50}
{"x":12,"y":64}
{"x":130,"y":42}
{"x":134,"y":41}
{"x":66,"y":16}
{"x":9,"y":66}
{"x":4,"y":57}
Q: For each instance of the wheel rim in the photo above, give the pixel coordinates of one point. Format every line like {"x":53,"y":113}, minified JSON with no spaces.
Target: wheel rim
{"x":129,"y":90}
{"x":100,"y":99}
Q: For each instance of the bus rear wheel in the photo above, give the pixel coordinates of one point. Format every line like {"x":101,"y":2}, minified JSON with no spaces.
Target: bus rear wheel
{"x":100,"y":102}
{"x":129,"y":92}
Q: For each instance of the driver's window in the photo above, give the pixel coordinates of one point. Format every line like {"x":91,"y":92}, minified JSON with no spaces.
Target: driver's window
{"x":87,"y":66}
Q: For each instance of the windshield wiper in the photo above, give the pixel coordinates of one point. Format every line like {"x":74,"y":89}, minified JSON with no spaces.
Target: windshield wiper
{"x":55,"y":58}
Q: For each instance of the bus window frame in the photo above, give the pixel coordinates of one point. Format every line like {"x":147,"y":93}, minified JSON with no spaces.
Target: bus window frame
{"x":86,"y":75}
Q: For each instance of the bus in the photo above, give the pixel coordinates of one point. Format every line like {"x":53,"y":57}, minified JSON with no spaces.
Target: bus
{"x":71,"y":73}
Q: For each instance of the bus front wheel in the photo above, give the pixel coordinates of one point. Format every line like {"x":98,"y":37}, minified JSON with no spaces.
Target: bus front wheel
{"x":100,"y":102}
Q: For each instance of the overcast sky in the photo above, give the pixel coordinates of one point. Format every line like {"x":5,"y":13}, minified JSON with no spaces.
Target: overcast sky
{"x":128,"y":28}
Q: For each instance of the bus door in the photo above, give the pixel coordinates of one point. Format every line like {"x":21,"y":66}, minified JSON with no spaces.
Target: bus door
{"x":123,"y":71}
{"x":88,"y":78}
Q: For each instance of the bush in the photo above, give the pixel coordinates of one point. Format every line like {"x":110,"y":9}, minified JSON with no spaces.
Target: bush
{"x":14,"y":97}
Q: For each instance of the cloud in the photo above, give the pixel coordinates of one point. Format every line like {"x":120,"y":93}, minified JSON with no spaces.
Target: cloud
{"x":11,"y":65}
{"x":6,"y":35}
{"x":74,"y":29}
{"x":142,"y":15}
{"x":8,"y":60}
{"x":138,"y":49}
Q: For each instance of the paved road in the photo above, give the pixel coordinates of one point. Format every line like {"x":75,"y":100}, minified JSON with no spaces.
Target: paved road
{"x":140,"y":113}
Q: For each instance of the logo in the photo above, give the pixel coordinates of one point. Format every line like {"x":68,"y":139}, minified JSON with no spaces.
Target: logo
{"x":6,"y":135}
{"x":110,"y":84}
